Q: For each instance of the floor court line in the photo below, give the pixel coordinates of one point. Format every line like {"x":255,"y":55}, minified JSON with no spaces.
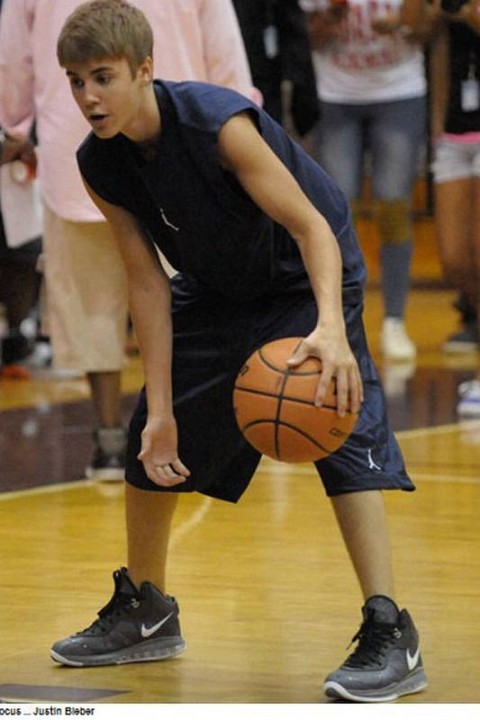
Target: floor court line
{"x":271,"y":466}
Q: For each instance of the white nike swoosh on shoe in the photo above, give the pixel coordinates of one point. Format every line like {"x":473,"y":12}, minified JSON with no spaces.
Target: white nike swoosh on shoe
{"x":147,"y":632}
{"x":412,"y":660}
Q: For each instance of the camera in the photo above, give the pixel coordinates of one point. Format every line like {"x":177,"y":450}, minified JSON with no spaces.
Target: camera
{"x":452,"y":6}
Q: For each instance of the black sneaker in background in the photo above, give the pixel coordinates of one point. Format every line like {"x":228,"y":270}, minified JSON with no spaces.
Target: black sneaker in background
{"x":108,"y":461}
{"x":465,"y":340}
{"x":386,"y":662}
{"x":137,"y":625}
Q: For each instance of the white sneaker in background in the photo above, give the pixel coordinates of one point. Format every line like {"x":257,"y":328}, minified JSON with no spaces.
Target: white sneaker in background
{"x":395,"y":377}
{"x":469,"y":403}
{"x":394,"y":342}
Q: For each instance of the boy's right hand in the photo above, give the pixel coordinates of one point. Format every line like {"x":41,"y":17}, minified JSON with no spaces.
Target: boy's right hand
{"x":159,"y":453}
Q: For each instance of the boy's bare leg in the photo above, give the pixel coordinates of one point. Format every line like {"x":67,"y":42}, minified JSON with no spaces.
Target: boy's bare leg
{"x":149,"y":519}
{"x":139,"y":623}
{"x":386,"y":662}
{"x":363,"y":522}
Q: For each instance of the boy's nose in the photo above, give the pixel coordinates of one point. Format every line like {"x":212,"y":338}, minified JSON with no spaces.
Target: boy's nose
{"x":90,"y":96}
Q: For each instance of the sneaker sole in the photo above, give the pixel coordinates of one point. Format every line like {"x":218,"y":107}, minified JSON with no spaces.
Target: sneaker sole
{"x":470,"y":411}
{"x":459,"y":348}
{"x":143,"y":652}
{"x":413,"y":683}
{"x":401,"y":356}
{"x":105,"y":475}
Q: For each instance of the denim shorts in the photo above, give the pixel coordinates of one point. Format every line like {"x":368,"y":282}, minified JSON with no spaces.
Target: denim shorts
{"x":455,"y":160}
{"x":212,"y":339}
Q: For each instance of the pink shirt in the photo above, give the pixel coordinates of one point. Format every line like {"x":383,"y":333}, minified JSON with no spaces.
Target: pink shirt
{"x":194,"y":40}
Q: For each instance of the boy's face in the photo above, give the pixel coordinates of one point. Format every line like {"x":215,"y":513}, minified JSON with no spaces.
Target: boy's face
{"x":110,"y":99}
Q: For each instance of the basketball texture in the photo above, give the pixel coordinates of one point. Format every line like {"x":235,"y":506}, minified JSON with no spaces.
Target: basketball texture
{"x":275,"y":410}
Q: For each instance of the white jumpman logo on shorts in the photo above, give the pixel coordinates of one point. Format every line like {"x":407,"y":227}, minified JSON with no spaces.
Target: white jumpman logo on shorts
{"x":371,"y":464}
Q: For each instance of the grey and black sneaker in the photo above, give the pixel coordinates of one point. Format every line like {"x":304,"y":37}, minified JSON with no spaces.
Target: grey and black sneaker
{"x":108,"y":461}
{"x":137,"y":625}
{"x":386,"y":662}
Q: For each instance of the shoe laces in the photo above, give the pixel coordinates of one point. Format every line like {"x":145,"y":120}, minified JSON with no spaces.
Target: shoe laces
{"x":374,"y":639}
{"x":120,"y":605}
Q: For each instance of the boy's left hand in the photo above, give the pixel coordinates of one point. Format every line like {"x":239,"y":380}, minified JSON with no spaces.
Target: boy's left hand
{"x":338,"y":361}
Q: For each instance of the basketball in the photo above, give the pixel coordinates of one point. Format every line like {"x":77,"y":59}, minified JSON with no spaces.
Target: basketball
{"x":275,"y":406}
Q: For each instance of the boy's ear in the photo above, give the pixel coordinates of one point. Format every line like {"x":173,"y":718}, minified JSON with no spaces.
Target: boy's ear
{"x":145,"y":71}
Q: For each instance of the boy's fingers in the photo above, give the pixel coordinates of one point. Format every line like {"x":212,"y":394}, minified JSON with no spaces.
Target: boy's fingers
{"x":299,"y":356}
{"x":342,"y":392}
{"x":322,"y":386}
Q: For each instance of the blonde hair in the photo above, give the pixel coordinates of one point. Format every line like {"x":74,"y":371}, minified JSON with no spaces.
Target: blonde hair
{"x":101,"y":29}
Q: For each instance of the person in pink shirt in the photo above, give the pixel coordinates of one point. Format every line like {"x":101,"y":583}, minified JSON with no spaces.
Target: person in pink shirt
{"x":85,"y":311}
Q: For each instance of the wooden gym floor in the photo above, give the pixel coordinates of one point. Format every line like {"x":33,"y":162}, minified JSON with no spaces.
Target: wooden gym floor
{"x":268,"y":598}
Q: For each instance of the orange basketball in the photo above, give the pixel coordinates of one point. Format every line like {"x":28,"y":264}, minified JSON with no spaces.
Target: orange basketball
{"x":275,"y":410}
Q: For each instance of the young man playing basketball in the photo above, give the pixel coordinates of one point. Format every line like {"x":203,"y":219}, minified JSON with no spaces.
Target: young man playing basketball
{"x":265,"y":248}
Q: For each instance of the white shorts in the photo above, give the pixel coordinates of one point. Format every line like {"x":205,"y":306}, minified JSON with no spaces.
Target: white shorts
{"x":85,"y":295}
{"x":455,"y":161}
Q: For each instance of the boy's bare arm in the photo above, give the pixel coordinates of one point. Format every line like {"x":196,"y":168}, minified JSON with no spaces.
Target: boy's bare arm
{"x":269,"y":183}
{"x":149,"y":303}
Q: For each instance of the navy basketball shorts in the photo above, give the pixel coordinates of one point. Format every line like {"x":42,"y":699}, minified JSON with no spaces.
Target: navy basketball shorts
{"x":212,"y":339}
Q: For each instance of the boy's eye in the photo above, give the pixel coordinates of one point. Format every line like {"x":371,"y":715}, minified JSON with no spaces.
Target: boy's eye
{"x":102,"y":79}
{"x":76,"y":83}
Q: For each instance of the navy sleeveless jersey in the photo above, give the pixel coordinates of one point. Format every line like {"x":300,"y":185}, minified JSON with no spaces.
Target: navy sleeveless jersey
{"x":241,"y":283}
{"x":198,"y":214}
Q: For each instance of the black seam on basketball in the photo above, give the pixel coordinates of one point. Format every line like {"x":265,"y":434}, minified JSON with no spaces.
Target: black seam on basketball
{"x":292,"y":427}
{"x":279,"y":408}
{"x":290,"y":398}
{"x":277,"y":395}
{"x":299,"y":401}
{"x":281,"y":370}
{"x":252,"y":391}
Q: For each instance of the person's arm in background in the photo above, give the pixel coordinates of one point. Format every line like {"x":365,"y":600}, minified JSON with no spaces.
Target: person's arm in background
{"x":418,"y":18}
{"x":414,"y":19}
{"x":414,"y":13}
{"x":323,"y":17}
{"x":12,"y":149}
{"x":469,"y":13}
{"x":225,"y":54}
{"x":438,"y":80}
{"x":16,"y":76}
